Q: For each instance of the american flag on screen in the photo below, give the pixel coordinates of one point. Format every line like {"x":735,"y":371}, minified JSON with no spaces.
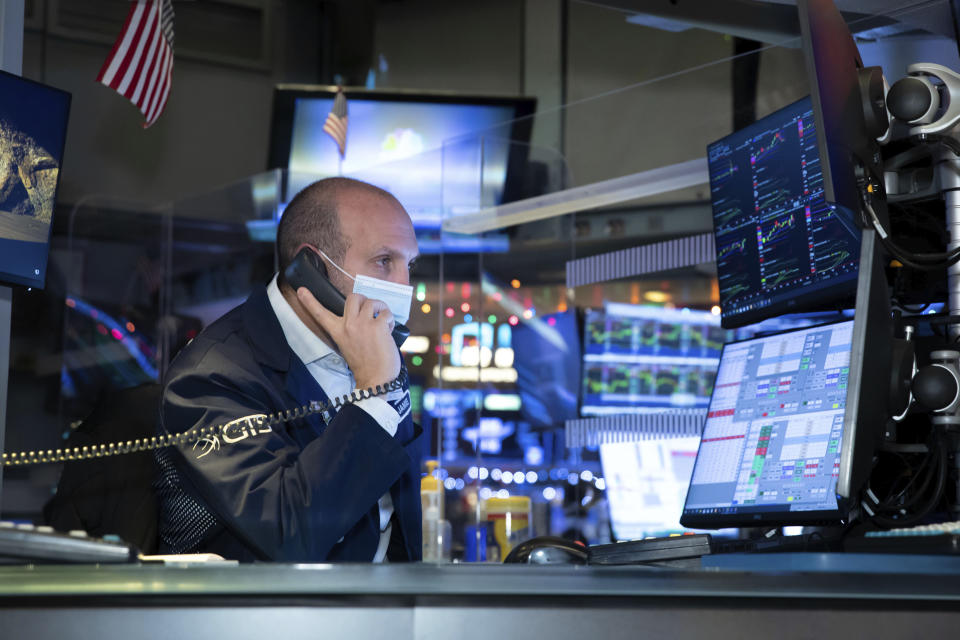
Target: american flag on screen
{"x":336,"y":124}
{"x":141,"y":63}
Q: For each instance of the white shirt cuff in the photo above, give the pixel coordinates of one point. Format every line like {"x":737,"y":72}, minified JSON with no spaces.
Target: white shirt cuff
{"x":381,"y":411}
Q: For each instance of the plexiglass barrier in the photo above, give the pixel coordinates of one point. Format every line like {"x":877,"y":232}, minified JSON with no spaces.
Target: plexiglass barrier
{"x":520,"y":326}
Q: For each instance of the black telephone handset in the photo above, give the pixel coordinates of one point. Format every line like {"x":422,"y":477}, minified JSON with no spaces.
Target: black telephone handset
{"x":307,"y":270}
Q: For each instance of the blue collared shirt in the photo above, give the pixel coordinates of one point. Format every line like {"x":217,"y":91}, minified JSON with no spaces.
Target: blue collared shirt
{"x":333,"y":375}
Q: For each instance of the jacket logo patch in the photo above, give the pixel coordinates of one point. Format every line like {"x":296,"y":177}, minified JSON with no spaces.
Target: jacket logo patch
{"x":234,"y":431}
{"x":210,"y":443}
{"x":401,"y":405}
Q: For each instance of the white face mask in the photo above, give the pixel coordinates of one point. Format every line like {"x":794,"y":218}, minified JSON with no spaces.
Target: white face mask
{"x":398,"y":297}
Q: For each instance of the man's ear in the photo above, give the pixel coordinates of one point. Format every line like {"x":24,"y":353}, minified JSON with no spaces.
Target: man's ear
{"x":306,"y":245}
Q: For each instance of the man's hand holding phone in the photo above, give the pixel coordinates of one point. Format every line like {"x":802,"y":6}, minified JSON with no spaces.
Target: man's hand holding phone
{"x":363,"y":336}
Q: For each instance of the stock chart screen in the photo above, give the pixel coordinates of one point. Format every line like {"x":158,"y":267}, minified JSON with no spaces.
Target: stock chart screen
{"x":771,"y":441}
{"x":779,"y":244}
{"x":640,"y":359}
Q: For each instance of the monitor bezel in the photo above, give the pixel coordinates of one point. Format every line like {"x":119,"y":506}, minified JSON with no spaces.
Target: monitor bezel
{"x":285,"y":97}
{"x":871,"y":359}
{"x":848,"y":154}
{"x":40,"y":282}
{"x":777,"y":518}
{"x":831,"y":295}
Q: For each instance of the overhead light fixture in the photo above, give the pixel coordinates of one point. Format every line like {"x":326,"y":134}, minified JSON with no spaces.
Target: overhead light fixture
{"x":656,"y":22}
{"x":589,"y":196}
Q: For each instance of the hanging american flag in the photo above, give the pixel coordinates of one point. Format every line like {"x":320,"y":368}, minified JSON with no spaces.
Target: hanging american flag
{"x":141,"y":63}
{"x":336,"y":124}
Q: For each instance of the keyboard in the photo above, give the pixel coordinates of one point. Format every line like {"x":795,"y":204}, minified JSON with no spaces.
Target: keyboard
{"x":650,"y":550}
{"x":934,"y":539}
{"x":26,"y":543}
{"x":922,"y":530}
{"x":779,"y":544}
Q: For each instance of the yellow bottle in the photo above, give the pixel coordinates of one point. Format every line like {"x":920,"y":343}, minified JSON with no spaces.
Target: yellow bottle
{"x":436,"y":530}
{"x":431,"y":492}
{"x":511,"y":521}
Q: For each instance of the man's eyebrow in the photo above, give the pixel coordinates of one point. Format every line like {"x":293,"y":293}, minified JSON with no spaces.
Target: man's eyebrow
{"x":394,"y":253}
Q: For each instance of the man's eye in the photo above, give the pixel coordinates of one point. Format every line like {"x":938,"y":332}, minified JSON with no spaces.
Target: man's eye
{"x":383,"y":262}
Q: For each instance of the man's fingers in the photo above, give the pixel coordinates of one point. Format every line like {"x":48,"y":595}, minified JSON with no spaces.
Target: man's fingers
{"x":387,"y":316}
{"x":377,"y":309}
{"x":351,"y":308}
{"x":327,"y":319}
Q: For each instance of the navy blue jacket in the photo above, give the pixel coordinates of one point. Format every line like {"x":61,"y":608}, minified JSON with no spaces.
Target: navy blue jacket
{"x":301,"y":491}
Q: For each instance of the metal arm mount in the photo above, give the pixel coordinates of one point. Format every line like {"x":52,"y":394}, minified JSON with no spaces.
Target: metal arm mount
{"x":936,"y":387}
{"x":928,"y":100}
{"x":928,"y":90}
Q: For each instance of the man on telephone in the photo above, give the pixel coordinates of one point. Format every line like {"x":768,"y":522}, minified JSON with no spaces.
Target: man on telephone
{"x":337,"y":486}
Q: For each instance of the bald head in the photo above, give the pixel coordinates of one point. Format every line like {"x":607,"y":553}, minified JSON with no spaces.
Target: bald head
{"x":362,"y":228}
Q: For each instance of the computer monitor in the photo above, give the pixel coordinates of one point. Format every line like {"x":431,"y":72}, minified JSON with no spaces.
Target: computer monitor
{"x":33,"y":130}
{"x":546,"y":355}
{"x":644,"y":359}
{"x":772,"y":441}
{"x":781,"y":248}
{"x":394,"y":139}
{"x":848,"y":108}
{"x":646,"y":483}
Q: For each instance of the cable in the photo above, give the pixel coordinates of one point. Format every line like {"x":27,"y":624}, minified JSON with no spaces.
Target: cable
{"x":946,"y":141}
{"x":885,"y":237}
{"x":23,"y":458}
{"x":920,"y":261}
{"x":899,"y":515}
{"x":928,"y":473}
{"x":908,"y":309}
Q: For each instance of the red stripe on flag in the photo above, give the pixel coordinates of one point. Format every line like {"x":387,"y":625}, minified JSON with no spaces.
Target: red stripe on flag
{"x":128,"y":84}
{"x":153,"y":104}
{"x":335,"y":128}
{"x":158,"y":108}
{"x":128,"y":56}
{"x":141,"y":61}
{"x":155,"y":82}
{"x":148,"y":79}
{"x":116,"y":45}
{"x":149,"y":61}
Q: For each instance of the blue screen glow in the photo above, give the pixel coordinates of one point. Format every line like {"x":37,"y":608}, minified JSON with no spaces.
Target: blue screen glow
{"x":422,"y":152}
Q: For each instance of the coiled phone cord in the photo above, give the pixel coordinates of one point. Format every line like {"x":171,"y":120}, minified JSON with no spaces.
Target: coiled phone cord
{"x":22,"y":458}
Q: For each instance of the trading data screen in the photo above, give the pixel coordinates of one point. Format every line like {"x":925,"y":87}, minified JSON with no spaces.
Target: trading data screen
{"x":645,"y":485}
{"x":771,"y":441}
{"x":780,"y":245}
{"x":640,"y":359}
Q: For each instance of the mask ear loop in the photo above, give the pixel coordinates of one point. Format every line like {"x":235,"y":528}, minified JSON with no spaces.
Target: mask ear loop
{"x":307,"y":245}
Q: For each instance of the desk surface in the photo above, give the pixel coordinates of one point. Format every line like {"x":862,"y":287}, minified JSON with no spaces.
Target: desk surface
{"x":802,"y":597}
{"x":775,"y":576}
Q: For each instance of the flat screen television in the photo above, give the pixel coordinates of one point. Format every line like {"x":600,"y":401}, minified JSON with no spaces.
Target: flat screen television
{"x":425,"y":148}
{"x":33,"y":130}
{"x":645,"y":359}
